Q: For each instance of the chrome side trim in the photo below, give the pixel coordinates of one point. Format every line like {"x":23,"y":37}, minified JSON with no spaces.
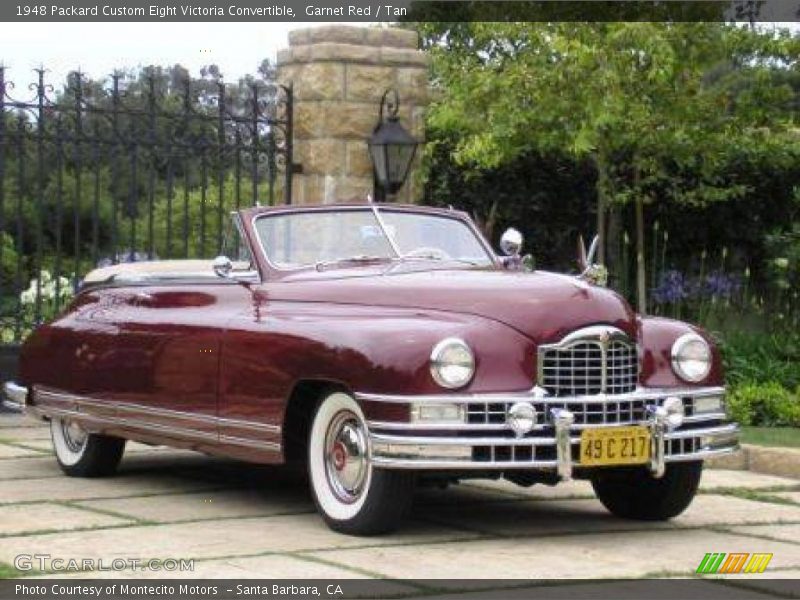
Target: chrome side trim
{"x":99,"y":420}
{"x":52,"y":395}
{"x":261,"y":445}
{"x":148,"y":426}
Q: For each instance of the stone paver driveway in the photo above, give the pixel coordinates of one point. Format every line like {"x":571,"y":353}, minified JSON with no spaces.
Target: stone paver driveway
{"x":238,"y":520}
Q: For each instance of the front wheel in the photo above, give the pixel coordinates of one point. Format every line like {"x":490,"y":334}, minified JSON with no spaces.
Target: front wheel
{"x":352,"y":496}
{"x":83,"y":454}
{"x":636,"y":494}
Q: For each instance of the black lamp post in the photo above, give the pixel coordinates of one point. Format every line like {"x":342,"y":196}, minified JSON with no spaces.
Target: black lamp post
{"x":391,"y":149}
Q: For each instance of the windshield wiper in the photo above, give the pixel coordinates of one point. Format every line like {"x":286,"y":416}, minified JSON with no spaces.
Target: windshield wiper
{"x":359,"y":259}
{"x":465,"y":261}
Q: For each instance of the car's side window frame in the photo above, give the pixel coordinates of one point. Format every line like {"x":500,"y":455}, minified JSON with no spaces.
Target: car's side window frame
{"x":236,"y":230}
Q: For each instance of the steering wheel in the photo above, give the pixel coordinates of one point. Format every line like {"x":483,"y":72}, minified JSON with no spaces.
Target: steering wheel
{"x":428,"y":252}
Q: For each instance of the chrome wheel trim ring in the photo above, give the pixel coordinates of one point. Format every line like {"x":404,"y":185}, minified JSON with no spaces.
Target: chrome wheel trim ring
{"x":75,"y":436}
{"x":346,"y":460}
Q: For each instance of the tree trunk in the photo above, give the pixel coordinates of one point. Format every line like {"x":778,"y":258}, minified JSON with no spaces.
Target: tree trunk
{"x":601,"y":188}
{"x":641,"y":286}
{"x":613,"y":262}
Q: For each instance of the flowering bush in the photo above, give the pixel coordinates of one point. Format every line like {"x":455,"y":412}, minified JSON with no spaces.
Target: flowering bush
{"x":53,"y":292}
{"x":675,"y":287}
{"x":672,"y":288}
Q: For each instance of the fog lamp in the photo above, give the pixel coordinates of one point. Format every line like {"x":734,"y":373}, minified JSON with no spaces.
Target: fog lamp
{"x":709,"y":404}
{"x":440,"y":412}
{"x":407,"y":451}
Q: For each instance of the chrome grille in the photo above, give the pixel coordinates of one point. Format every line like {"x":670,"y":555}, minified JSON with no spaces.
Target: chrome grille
{"x":487,"y":413}
{"x":612,"y":412}
{"x":586,"y":366}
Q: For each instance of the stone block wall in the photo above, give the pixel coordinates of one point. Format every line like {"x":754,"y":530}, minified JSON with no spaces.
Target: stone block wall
{"x":339,"y":74}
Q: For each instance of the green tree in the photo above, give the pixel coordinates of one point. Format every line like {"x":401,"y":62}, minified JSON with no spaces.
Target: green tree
{"x":637,"y":100}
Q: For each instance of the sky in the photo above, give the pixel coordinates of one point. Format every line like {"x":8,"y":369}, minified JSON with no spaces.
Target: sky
{"x":99,"y":48}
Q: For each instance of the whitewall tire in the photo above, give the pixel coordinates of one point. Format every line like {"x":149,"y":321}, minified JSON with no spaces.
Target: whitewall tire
{"x":352,"y":496}
{"x":83,"y":454}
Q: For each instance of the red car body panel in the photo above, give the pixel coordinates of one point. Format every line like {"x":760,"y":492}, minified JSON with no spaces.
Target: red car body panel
{"x":223,"y":358}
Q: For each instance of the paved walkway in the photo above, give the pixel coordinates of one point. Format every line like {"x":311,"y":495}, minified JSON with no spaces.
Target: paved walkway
{"x":237,"y":520}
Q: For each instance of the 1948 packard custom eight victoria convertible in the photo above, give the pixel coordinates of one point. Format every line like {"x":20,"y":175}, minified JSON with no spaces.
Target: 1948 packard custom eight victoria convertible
{"x":381,"y":344}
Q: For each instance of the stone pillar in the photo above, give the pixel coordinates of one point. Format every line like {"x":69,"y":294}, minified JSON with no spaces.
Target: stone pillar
{"x":339,"y":74}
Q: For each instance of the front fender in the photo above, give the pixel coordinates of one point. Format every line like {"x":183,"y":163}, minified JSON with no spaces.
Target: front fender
{"x":366,"y":349}
{"x":656,"y":337}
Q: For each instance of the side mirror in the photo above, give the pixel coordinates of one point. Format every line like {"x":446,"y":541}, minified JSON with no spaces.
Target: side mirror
{"x":222,"y":266}
{"x":511,"y":242}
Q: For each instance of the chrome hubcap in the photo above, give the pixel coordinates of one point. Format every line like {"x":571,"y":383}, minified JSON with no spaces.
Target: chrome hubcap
{"x":346,"y":461}
{"x":74,"y":435}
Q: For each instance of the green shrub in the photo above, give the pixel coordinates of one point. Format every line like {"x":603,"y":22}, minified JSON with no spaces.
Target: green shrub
{"x":767,"y":404}
{"x":751,"y":357}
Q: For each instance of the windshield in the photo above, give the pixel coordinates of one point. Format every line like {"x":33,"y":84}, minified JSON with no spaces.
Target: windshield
{"x":295,"y":240}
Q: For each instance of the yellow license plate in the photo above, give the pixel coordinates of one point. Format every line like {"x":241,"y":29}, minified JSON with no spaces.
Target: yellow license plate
{"x":615,"y":446}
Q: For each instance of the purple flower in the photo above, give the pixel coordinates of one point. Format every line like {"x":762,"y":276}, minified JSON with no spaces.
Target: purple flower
{"x":672,"y":288}
{"x":719,"y":285}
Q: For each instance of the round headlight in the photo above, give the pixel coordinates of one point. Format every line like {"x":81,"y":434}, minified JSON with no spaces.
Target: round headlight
{"x":691,"y":357}
{"x":452,"y":363}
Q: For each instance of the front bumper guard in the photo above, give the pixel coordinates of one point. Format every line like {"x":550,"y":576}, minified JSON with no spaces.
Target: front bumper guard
{"x":408,"y":446}
{"x":14,"y":396}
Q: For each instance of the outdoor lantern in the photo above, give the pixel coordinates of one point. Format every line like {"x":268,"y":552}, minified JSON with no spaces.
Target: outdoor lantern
{"x":391,"y":148}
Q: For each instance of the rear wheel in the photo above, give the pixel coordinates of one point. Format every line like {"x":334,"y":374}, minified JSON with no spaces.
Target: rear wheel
{"x":83,"y":454}
{"x":636,"y":494}
{"x":352,"y":496}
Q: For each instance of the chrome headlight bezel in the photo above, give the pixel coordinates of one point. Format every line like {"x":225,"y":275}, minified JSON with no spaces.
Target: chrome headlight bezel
{"x":680,"y":359}
{"x":448,"y":353}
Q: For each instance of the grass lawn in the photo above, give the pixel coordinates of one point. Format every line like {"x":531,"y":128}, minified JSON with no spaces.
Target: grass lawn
{"x":771,"y":436}
{"x":9,"y":572}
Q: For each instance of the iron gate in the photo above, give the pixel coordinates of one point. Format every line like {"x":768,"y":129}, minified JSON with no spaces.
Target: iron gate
{"x":144,"y":169}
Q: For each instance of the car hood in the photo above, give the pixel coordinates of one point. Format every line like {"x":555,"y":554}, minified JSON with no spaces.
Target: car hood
{"x":544,"y":306}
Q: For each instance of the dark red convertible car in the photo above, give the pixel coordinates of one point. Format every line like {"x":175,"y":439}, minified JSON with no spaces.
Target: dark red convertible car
{"x":382,"y":344}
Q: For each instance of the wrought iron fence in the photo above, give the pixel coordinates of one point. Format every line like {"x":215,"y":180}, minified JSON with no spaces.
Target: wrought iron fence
{"x":144,"y":169}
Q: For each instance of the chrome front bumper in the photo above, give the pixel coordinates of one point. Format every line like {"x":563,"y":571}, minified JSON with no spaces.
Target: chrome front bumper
{"x":553,"y":442}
